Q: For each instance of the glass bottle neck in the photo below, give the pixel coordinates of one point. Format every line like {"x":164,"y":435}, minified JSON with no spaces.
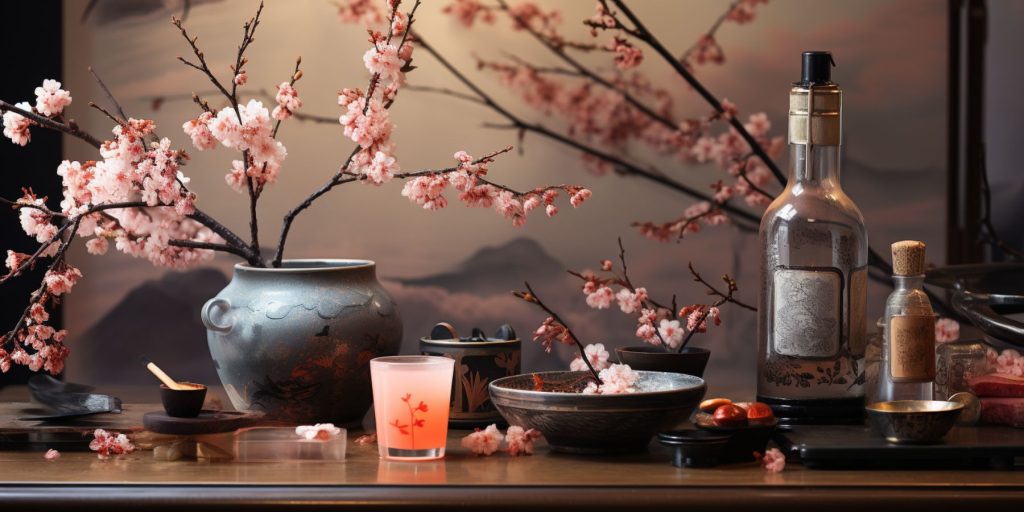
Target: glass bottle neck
{"x":908,"y":282}
{"x":814,"y":165}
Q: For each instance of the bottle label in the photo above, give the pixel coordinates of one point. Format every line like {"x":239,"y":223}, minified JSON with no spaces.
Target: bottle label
{"x":806,"y":317}
{"x":912,"y":348}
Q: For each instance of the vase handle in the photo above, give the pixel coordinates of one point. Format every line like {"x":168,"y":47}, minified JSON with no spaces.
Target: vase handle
{"x":208,"y":316}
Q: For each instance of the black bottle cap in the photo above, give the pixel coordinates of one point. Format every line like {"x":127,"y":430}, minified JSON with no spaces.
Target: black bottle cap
{"x":816,"y":68}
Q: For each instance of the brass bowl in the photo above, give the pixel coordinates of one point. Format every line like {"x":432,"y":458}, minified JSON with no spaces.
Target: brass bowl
{"x":914,"y":421}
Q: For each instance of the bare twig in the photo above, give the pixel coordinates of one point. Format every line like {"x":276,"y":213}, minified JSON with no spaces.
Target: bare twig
{"x":531,"y":296}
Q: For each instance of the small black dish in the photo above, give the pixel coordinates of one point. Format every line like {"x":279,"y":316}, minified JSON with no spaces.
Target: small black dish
{"x":183,"y":403}
{"x":694,"y":448}
{"x":743,"y":441}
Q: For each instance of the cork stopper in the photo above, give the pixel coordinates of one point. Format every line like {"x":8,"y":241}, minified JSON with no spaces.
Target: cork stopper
{"x":908,"y":258}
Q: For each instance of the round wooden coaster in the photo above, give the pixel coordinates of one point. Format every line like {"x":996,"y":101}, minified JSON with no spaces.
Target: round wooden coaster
{"x":208,"y":422}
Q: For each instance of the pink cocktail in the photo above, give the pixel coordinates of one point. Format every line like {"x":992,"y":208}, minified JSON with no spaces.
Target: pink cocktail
{"x":411,"y":397}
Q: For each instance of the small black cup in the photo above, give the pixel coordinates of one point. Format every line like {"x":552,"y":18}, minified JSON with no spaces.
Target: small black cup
{"x":183,"y":403}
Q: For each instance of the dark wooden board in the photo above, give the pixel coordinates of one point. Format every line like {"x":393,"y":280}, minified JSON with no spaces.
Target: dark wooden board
{"x":860,"y":447}
{"x":208,"y":422}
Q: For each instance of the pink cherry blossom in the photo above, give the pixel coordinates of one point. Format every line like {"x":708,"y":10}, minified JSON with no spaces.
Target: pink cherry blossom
{"x":468,"y":12}
{"x":318,"y":432}
{"x":551,"y":331}
{"x":596,"y":355}
{"x":616,"y":379}
{"x":236,"y":177}
{"x":384,"y":61}
{"x":51,"y":99}
{"x":360,"y":11}
{"x":630,"y":301}
{"x":97,"y":246}
{"x":287,"y":101}
{"x":671,"y":331}
{"x":59,"y":282}
{"x":580,"y":196}
{"x":483,"y":442}
{"x":369,"y":128}
{"x":697,"y":319}
{"x":606,"y":265}
{"x":648,"y":333}
{"x":601,"y":298}
{"x":773,"y":461}
{"x":241,"y":78}
{"x":199,"y":131}
{"x":51,"y":454}
{"x":35,"y":222}
{"x":758,"y":125}
{"x":381,"y":169}
{"x":37,"y":314}
{"x":16,"y":126}
{"x":627,"y":56}
{"x":946,"y":330}
{"x":110,"y":443}
{"x":15,"y":260}
{"x":520,"y":441}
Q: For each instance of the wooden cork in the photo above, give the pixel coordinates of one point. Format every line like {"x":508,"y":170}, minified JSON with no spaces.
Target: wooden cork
{"x":908,"y":258}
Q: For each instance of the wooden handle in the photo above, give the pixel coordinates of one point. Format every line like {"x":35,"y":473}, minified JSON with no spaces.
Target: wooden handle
{"x":166,"y":379}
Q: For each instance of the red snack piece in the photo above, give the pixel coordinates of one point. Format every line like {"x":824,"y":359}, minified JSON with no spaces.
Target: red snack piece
{"x":710,"y":405}
{"x":730,"y":416}
{"x":760,"y":414}
{"x":998,"y":385}
{"x":1003,"y":411}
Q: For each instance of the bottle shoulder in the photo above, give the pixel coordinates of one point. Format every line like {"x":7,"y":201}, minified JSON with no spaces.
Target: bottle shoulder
{"x":811,"y":205}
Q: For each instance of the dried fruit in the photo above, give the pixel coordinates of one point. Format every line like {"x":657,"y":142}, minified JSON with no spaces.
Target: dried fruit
{"x":710,"y":405}
{"x":730,"y":416}
{"x":760,"y":414}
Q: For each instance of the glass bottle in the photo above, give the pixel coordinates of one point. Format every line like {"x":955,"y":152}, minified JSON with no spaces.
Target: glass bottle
{"x":908,"y":353}
{"x":812,"y":314}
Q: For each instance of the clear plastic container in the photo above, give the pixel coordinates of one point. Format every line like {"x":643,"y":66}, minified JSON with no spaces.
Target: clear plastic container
{"x":277,"y":444}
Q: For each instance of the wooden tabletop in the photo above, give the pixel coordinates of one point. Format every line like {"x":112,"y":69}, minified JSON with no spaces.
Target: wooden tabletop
{"x":79,"y":480}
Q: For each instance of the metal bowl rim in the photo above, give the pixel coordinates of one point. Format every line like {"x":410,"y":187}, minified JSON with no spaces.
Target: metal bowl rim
{"x":950,"y":407}
{"x":496,"y":386}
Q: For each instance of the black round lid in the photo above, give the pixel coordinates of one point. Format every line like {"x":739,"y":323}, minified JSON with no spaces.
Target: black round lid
{"x":816,"y":68}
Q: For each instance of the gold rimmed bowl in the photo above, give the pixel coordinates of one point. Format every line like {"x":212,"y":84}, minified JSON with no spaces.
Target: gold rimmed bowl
{"x":914,"y":421}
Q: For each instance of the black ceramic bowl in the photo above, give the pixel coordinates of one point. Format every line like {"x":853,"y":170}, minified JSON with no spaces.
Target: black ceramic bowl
{"x":691,"y":361}
{"x":183,"y":403}
{"x":598,"y":424}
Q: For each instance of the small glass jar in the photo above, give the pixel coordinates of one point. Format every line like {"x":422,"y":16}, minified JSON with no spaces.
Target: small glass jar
{"x":873,"y":360}
{"x":955,"y":363}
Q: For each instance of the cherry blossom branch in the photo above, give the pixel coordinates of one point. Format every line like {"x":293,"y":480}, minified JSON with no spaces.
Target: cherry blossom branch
{"x":31,"y":260}
{"x":70,"y":127}
{"x":192,"y":244}
{"x":343,"y":176}
{"x":585,"y":72}
{"x":623,"y":166}
{"x":110,"y":95}
{"x":728,"y":297}
{"x":640,"y":32}
{"x":706,"y":310}
{"x":296,"y":75}
{"x":248,"y":32}
{"x":530,"y":296}
{"x":447,"y":92}
{"x":57,"y":258}
{"x":710,"y":33}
